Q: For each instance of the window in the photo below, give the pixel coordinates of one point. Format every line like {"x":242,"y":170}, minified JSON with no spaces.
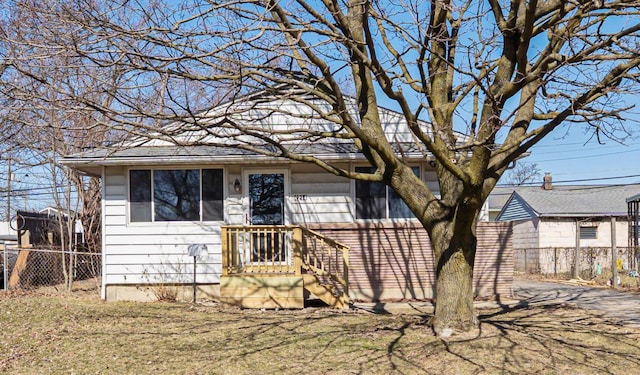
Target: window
{"x":588,"y":233}
{"x":176,"y":195}
{"x":140,"y":195}
{"x":375,"y":200}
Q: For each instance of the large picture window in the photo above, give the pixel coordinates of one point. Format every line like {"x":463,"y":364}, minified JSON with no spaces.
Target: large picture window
{"x":176,"y":195}
{"x":375,"y":200}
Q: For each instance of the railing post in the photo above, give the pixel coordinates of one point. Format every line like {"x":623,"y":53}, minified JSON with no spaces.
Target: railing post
{"x":345,"y":265}
{"x":225,"y":251}
{"x":297,"y":250}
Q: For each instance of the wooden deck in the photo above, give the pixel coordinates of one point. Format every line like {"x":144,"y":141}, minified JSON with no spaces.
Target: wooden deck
{"x":276,"y":266}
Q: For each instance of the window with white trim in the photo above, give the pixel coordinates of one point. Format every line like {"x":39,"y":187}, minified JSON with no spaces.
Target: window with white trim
{"x":176,"y":195}
{"x":375,"y":200}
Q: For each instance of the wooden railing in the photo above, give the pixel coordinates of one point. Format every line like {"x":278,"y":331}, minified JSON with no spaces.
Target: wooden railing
{"x":327,"y":259}
{"x":280,"y":249}
{"x":261,"y":249}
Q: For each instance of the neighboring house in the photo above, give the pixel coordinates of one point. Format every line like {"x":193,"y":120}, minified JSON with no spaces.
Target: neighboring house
{"x":549,"y":217}
{"x":498,"y":198}
{"x":271,"y":227}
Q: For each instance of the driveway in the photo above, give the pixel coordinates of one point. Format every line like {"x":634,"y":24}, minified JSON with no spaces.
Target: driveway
{"x":624,"y":307}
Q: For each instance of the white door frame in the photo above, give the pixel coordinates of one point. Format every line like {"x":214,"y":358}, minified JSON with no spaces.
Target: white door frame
{"x":247,"y":198}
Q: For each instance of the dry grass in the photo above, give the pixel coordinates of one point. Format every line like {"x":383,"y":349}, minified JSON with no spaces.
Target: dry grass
{"x":53,"y":334}
{"x":627,"y":283}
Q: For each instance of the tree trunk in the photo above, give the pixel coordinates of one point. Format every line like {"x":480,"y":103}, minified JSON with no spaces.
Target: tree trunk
{"x":454,"y":292}
{"x":454,"y":242}
{"x":451,"y":224}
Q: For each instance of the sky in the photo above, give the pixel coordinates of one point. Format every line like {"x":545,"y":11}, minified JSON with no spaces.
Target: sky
{"x":572,"y":159}
{"x":575,"y":160}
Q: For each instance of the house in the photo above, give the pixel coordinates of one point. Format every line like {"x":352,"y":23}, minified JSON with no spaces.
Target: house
{"x":549,"y":220}
{"x":498,"y":198}
{"x":269,"y":231}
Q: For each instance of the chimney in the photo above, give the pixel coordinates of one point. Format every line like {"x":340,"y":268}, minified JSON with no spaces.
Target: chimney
{"x":546,"y":182}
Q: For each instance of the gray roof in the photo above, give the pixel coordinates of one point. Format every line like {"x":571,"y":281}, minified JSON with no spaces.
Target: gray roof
{"x":499,"y":196}
{"x":573,"y":201}
{"x":141,"y":152}
{"x":224,"y":152}
{"x":91,"y":160}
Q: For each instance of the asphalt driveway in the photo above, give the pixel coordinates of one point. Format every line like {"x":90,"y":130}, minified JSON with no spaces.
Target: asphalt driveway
{"x":623,"y":306}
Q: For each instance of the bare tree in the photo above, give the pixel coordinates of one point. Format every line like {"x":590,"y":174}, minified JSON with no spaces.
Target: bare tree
{"x":507,"y":74}
{"x":523,"y":173}
{"x":42,"y":123}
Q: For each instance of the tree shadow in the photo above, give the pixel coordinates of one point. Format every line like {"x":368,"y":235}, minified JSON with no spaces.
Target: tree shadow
{"x":532,"y":336}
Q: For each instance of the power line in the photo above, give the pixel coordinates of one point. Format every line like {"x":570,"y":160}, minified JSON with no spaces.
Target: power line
{"x":572,"y":181}
{"x":564,"y":147}
{"x":585,"y":156}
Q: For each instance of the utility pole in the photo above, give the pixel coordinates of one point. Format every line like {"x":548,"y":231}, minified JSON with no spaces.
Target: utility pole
{"x":9,"y":190}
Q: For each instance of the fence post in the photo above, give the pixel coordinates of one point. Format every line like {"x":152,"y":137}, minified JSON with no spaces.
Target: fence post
{"x":576,"y":254}
{"x":5,"y":267}
{"x":555,"y":261}
{"x":614,"y":254}
{"x":526,"y":268}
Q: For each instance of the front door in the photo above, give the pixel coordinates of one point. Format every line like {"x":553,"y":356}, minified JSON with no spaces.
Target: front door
{"x":266,"y":208}
{"x":266,"y":198}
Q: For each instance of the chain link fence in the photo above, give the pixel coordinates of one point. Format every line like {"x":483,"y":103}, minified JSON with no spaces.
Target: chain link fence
{"x":559,"y":262}
{"x":33,"y":268}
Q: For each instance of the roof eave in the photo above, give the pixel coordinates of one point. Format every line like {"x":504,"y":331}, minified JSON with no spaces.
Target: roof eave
{"x":201,"y":159}
{"x":583,"y":215}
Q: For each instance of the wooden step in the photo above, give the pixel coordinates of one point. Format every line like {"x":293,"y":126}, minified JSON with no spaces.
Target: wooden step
{"x":327,"y":293}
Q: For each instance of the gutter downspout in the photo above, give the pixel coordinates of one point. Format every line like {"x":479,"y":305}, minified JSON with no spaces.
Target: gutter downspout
{"x":103,"y":286}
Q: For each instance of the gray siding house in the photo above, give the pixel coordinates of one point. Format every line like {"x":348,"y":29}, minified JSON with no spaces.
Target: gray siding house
{"x":275,"y":230}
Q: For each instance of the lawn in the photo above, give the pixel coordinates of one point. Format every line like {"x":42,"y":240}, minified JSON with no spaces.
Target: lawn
{"x":80,"y":334}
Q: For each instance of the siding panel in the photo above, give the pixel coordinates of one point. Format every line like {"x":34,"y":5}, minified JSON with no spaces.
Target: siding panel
{"x":319,"y":197}
{"x":516,"y":209}
{"x":395,"y":261}
{"x":145,"y":252}
{"x":388,"y":260}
